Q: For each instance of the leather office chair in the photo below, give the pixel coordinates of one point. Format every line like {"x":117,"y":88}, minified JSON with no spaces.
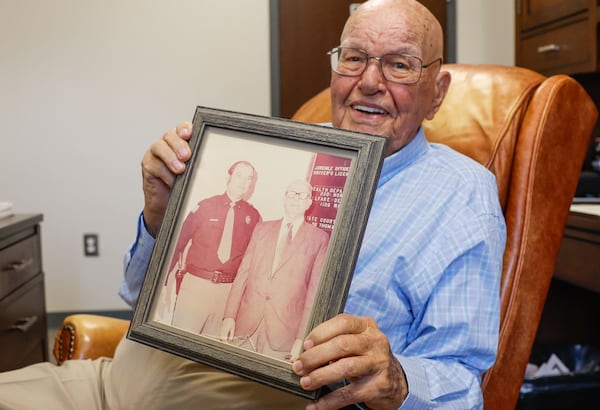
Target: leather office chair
{"x":532,"y":133}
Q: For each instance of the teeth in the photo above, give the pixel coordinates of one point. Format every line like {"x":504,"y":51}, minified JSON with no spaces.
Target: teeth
{"x":369,"y":109}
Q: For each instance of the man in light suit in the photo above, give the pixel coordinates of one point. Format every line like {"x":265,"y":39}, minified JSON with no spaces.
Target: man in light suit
{"x":271,"y":298}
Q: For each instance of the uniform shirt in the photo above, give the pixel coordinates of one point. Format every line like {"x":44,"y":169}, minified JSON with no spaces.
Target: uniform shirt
{"x":428,"y":271}
{"x":204,"y":227}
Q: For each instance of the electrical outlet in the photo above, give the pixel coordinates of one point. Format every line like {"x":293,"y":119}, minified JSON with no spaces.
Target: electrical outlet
{"x":90,"y":244}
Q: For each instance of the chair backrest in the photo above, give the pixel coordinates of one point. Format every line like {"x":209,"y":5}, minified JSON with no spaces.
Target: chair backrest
{"x":532,"y":132}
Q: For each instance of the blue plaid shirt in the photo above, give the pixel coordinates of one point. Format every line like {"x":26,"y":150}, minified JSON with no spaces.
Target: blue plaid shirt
{"x":428,"y":271}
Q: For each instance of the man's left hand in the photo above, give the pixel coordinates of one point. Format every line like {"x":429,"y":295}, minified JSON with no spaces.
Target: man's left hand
{"x":351,"y":348}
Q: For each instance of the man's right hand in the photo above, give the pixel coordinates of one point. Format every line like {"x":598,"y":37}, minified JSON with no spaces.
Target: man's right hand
{"x":161,"y":163}
{"x":228,"y":329}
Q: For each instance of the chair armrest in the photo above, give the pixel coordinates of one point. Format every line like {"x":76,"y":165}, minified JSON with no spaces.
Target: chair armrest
{"x":83,"y":336}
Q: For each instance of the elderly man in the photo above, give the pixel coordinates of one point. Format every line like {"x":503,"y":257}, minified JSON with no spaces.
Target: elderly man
{"x":271,"y":298}
{"x":421,"y":320}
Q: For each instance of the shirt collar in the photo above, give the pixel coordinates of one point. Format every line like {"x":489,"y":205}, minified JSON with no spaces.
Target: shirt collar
{"x":295,"y":224}
{"x":404,"y":157}
{"x":227,"y":200}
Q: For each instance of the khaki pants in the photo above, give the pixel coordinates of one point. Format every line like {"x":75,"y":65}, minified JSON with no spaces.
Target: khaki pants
{"x":200,"y":305}
{"x":139,"y":377}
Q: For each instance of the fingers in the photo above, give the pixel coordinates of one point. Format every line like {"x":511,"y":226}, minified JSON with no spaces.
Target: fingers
{"x":339,"y":325}
{"x":228,"y":329}
{"x":326,"y":375}
{"x":167,"y":156}
{"x":161,"y":163}
{"x":173,"y":149}
{"x":340,"y":337}
{"x":347,"y":363}
{"x":179,"y":141}
{"x":341,"y":397}
{"x":350,"y":348}
{"x":154,"y":167}
{"x":378,"y":382}
{"x":184,"y":130}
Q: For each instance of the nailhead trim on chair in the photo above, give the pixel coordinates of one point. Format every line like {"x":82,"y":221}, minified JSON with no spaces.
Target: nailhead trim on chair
{"x":66,"y":328}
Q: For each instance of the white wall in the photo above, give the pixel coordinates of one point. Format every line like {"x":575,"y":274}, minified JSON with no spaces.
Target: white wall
{"x":485,"y":32}
{"x":85,"y":87}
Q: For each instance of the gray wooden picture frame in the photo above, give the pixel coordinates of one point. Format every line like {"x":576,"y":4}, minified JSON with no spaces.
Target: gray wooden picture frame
{"x":367,"y":153}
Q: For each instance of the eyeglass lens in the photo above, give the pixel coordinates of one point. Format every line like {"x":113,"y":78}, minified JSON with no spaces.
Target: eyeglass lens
{"x":395,"y":67}
{"x":300,"y":195}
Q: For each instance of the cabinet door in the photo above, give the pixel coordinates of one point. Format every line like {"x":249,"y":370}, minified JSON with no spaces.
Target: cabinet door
{"x":536,"y":12}
{"x":307,"y":30}
{"x":569,"y":53}
{"x":24,"y":328}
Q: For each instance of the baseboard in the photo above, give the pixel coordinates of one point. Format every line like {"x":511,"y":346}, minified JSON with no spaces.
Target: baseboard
{"x":55,"y":319}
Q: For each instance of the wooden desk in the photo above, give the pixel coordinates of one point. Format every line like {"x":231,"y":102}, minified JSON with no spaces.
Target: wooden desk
{"x":24,"y":334}
{"x":572,"y":310}
{"x":578,"y":260}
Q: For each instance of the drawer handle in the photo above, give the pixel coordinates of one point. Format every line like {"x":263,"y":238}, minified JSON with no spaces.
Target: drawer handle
{"x":548,"y":48}
{"x":19,"y":265}
{"x":23,"y":324}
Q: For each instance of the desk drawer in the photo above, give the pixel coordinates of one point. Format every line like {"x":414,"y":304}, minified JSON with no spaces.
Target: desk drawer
{"x":579,"y":259}
{"x":19,"y":263}
{"x":557,"y":50}
{"x":536,"y":12}
{"x":23,"y":328}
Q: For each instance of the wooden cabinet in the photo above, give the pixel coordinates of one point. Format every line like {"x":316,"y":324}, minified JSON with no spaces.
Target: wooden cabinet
{"x":572,"y":310}
{"x":561,"y":37}
{"x":557,"y":36}
{"x":578,"y":260}
{"x":534,"y":13}
{"x":24,"y":334}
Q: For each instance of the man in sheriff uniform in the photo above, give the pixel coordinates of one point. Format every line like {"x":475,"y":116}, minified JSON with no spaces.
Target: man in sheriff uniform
{"x":208,"y":253}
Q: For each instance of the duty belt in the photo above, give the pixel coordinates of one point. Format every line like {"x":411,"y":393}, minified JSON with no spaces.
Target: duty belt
{"x":214,"y":276}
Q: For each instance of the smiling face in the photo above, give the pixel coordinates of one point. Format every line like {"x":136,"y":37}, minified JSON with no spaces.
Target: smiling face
{"x":370,"y":103}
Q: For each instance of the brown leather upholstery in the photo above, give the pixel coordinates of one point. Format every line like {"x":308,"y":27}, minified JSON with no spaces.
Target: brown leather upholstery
{"x":88,"y":337}
{"x":532,"y":132}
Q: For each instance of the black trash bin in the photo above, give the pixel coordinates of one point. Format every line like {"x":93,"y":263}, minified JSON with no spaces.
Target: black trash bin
{"x":579,"y":390}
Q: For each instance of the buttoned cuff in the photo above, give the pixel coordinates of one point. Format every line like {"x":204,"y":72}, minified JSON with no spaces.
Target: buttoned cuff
{"x":416,"y":379}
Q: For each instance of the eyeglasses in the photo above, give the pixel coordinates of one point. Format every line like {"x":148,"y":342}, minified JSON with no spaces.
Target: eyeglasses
{"x":299,"y":195}
{"x":398,"y":68}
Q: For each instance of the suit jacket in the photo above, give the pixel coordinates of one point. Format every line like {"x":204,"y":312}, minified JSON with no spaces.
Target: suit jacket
{"x":283,"y":298}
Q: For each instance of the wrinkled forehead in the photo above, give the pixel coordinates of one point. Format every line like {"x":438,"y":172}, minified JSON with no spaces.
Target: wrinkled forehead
{"x":394,"y":28}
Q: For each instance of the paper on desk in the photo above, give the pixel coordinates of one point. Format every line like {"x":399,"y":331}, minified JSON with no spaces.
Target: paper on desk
{"x":593,"y":209}
{"x":552,"y":367}
{"x":6,"y":209}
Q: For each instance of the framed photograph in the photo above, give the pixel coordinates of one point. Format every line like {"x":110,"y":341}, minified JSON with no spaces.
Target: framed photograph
{"x":258,"y":243}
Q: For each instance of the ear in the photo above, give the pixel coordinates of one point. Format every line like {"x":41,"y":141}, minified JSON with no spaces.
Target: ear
{"x":442,"y":82}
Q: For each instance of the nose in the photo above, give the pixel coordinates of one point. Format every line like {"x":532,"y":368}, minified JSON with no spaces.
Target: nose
{"x":377,"y":59}
{"x":372,"y":78}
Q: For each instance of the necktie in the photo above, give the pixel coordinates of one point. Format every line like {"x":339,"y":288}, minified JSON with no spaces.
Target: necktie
{"x":224,"y":251}
{"x":283,"y":246}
